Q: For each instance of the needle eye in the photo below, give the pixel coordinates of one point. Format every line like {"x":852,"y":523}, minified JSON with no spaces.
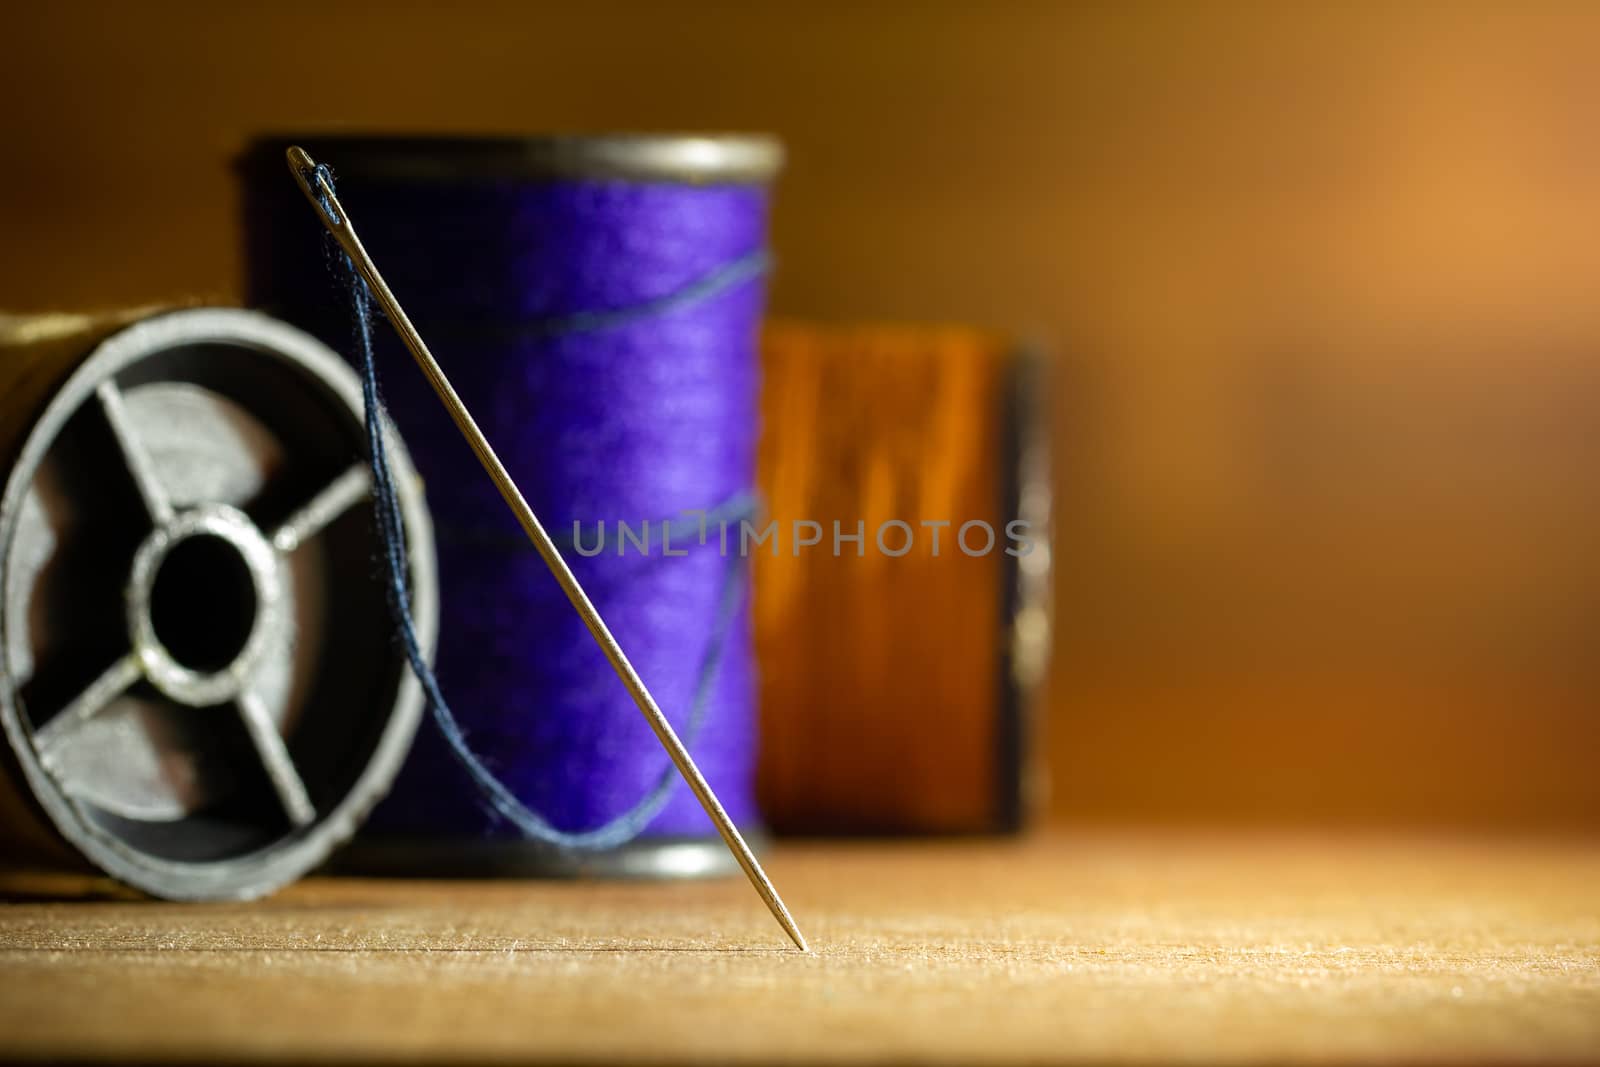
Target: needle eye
{"x":324,"y":194}
{"x":316,"y":181}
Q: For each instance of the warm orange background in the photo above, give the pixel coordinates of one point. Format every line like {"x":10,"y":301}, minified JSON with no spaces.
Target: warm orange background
{"x":1322,"y":281}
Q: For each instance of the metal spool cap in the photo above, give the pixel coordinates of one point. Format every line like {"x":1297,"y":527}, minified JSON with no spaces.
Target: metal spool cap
{"x":200,"y":693}
{"x":689,"y":158}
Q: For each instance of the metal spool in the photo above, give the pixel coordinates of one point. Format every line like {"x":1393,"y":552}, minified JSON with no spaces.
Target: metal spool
{"x":199,"y":692}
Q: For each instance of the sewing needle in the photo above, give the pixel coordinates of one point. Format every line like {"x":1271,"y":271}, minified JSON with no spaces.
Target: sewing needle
{"x":337,"y":221}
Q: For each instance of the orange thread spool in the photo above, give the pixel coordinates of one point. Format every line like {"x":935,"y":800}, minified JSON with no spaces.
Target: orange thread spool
{"x":896,"y":690}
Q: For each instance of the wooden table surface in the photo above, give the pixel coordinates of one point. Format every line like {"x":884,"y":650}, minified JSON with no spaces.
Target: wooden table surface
{"x":1071,"y":948}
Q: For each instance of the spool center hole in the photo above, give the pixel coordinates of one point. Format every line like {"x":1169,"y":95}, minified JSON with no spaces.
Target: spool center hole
{"x":203,"y":603}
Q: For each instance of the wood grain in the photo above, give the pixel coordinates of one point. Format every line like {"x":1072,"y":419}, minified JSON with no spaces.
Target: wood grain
{"x":1067,"y":949}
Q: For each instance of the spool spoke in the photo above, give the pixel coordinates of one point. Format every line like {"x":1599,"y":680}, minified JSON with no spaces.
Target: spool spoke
{"x":112,"y":683}
{"x":133,"y":453}
{"x":275,"y":759}
{"x":339,"y":495}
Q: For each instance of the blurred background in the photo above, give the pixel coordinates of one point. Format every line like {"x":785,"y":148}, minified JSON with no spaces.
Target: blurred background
{"x":1318,"y":281}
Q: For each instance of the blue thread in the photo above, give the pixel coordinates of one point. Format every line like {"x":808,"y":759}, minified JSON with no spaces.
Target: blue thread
{"x":746,"y":268}
{"x":391,"y":530}
{"x":730,"y":275}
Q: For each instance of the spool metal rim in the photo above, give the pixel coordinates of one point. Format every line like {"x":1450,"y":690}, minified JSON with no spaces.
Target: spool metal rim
{"x":651,"y":858}
{"x":261,"y":871}
{"x":692,"y":158}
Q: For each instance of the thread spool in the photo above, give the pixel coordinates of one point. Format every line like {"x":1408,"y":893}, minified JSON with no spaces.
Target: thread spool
{"x":596,"y":302}
{"x":199,"y":696}
{"x":899,"y":677}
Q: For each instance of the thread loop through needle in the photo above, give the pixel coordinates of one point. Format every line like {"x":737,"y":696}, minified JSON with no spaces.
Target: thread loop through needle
{"x":337,"y":221}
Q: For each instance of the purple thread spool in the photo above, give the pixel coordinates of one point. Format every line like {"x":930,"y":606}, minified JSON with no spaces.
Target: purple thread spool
{"x":537,"y":270}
